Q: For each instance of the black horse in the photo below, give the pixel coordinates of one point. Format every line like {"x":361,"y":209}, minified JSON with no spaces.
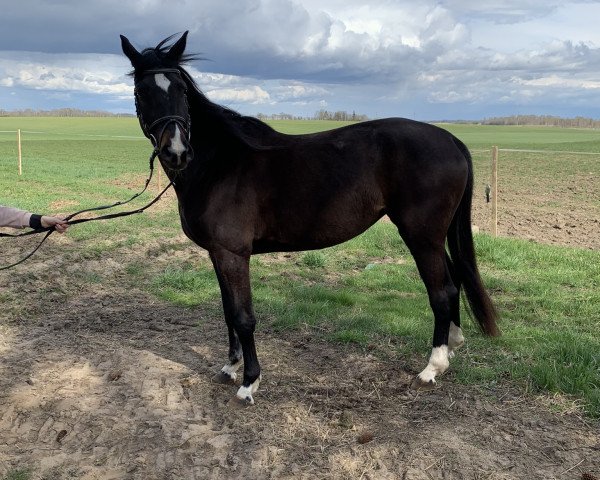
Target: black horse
{"x":244,"y":189}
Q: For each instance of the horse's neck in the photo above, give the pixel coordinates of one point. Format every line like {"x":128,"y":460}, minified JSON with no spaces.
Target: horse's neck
{"x":211,"y":130}
{"x":213,"y":139}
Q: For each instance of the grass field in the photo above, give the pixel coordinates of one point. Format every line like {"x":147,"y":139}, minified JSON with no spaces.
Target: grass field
{"x":364,"y":291}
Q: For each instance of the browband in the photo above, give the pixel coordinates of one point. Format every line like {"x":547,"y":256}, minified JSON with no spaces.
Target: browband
{"x":161,"y":70}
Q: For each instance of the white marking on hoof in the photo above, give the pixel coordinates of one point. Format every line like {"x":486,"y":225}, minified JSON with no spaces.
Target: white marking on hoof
{"x":245,"y":393}
{"x":455,"y":339}
{"x":230,"y":370}
{"x":438,"y":364}
{"x":162,"y":81}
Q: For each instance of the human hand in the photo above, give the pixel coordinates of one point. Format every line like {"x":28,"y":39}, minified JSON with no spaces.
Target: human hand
{"x":59,"y":224}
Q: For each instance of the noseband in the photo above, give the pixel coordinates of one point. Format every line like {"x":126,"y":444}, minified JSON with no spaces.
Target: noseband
{"x":185,"y":123}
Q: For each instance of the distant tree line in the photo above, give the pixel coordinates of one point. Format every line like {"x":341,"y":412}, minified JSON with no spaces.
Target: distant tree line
{"x":320,"y":115}
{"x":543,"y":120}
{"x":278,"y":116}
{"x":76,"y":112}
{"x":340,"y":116}
{"x":60,"y":112}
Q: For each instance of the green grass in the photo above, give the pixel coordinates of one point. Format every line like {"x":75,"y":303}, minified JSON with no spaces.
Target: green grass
{"x":20,"y":474}
{"x":298,"y":127}
{"x":364,"y":291}
{"x":79,"y":163}
{"x":186,"y":286}
{"x":549,"y":299}
{"x":527,"y":137}
{"x":314,"y":259}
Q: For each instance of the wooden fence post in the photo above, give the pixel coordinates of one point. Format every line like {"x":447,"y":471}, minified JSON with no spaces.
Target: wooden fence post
{"x":495,"y":191}
{"x":19,"y":150}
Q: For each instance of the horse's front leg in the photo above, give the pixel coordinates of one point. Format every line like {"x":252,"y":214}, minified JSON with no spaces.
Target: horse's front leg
{"x":228,"y":373}
{"x":233,"y":273}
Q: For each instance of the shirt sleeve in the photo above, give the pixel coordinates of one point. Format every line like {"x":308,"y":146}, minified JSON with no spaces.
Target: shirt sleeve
{"x":13,"y":217}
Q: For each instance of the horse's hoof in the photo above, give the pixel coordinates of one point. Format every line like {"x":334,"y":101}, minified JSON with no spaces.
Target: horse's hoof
{"x":224,"y":378}
{"x":245,"y":399}
{"x":245,"y":393}
{"x":237,"y":402}
{"x":419,"y":384}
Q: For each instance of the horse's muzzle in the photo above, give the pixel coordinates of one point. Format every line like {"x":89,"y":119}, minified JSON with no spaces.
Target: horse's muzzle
{"x":176,"y":158}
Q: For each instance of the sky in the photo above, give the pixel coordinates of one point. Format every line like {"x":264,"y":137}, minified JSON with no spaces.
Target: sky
{"x":427,"y":60}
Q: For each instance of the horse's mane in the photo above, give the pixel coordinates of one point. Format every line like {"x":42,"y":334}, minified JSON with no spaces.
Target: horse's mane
{"x":158,"y":57}
{"x":252,"y":132}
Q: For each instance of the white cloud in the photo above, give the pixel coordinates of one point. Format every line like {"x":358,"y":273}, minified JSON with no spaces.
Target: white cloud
{"x":251,"y":95}
{"x":97,"y":74}
{"x":561,"y":82}
{"x":298,"y":91}
{"x":384,"y":55}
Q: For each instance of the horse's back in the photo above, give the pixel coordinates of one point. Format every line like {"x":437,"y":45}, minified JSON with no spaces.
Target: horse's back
{"x":379,"y":155}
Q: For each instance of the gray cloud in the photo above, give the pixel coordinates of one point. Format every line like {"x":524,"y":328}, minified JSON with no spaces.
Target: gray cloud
{"x":300,"y":54}
{"x":504,"y":11}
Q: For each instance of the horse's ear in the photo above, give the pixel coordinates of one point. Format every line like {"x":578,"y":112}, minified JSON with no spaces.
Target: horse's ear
{"x":178,"y":47}
{"x":129,"y":50}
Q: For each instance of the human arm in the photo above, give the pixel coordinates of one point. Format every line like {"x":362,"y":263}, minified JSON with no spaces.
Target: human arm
{"x":16,"y":218}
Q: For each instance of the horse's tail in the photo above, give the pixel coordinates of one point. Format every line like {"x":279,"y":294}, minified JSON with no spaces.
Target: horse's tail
{"x":462,"y":253}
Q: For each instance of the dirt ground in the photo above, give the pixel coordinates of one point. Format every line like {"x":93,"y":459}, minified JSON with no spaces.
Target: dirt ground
{"x":558,"y":208}
{"x":100,"y":380}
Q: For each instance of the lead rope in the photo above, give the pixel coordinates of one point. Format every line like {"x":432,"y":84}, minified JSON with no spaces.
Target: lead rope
{"x":69,"y":221}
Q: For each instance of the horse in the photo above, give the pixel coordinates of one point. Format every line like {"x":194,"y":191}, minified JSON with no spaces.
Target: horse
{"x":245,"y":189}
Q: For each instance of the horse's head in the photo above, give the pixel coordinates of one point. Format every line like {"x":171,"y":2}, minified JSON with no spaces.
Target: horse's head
{"x":161,"y":100}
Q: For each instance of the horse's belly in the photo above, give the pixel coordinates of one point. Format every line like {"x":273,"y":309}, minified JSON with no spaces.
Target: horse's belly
{"x":314,"y":236}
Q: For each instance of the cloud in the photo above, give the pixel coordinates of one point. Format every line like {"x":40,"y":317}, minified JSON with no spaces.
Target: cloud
{"x":384,"y":56}
{"x":504,"y":11}
{"x":98,"y":74}
{"x":252,"y":95}
{"x":296,"y":91}
{"x":262,"y":38}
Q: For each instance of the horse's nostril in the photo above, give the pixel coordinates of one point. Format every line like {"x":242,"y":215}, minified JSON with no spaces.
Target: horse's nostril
{"x":175,"y":160}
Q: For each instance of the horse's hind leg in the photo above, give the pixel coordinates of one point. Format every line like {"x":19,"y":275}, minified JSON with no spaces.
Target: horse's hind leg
{"x":455,"y":335}
{"x":443,"y":296}
{"x":427,"y":245}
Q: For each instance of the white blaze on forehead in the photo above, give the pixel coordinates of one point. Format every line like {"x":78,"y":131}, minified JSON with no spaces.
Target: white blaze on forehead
{"x":162,"y":81}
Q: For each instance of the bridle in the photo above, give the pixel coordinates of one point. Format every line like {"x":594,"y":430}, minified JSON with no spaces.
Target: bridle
{"x":185,"y":123}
